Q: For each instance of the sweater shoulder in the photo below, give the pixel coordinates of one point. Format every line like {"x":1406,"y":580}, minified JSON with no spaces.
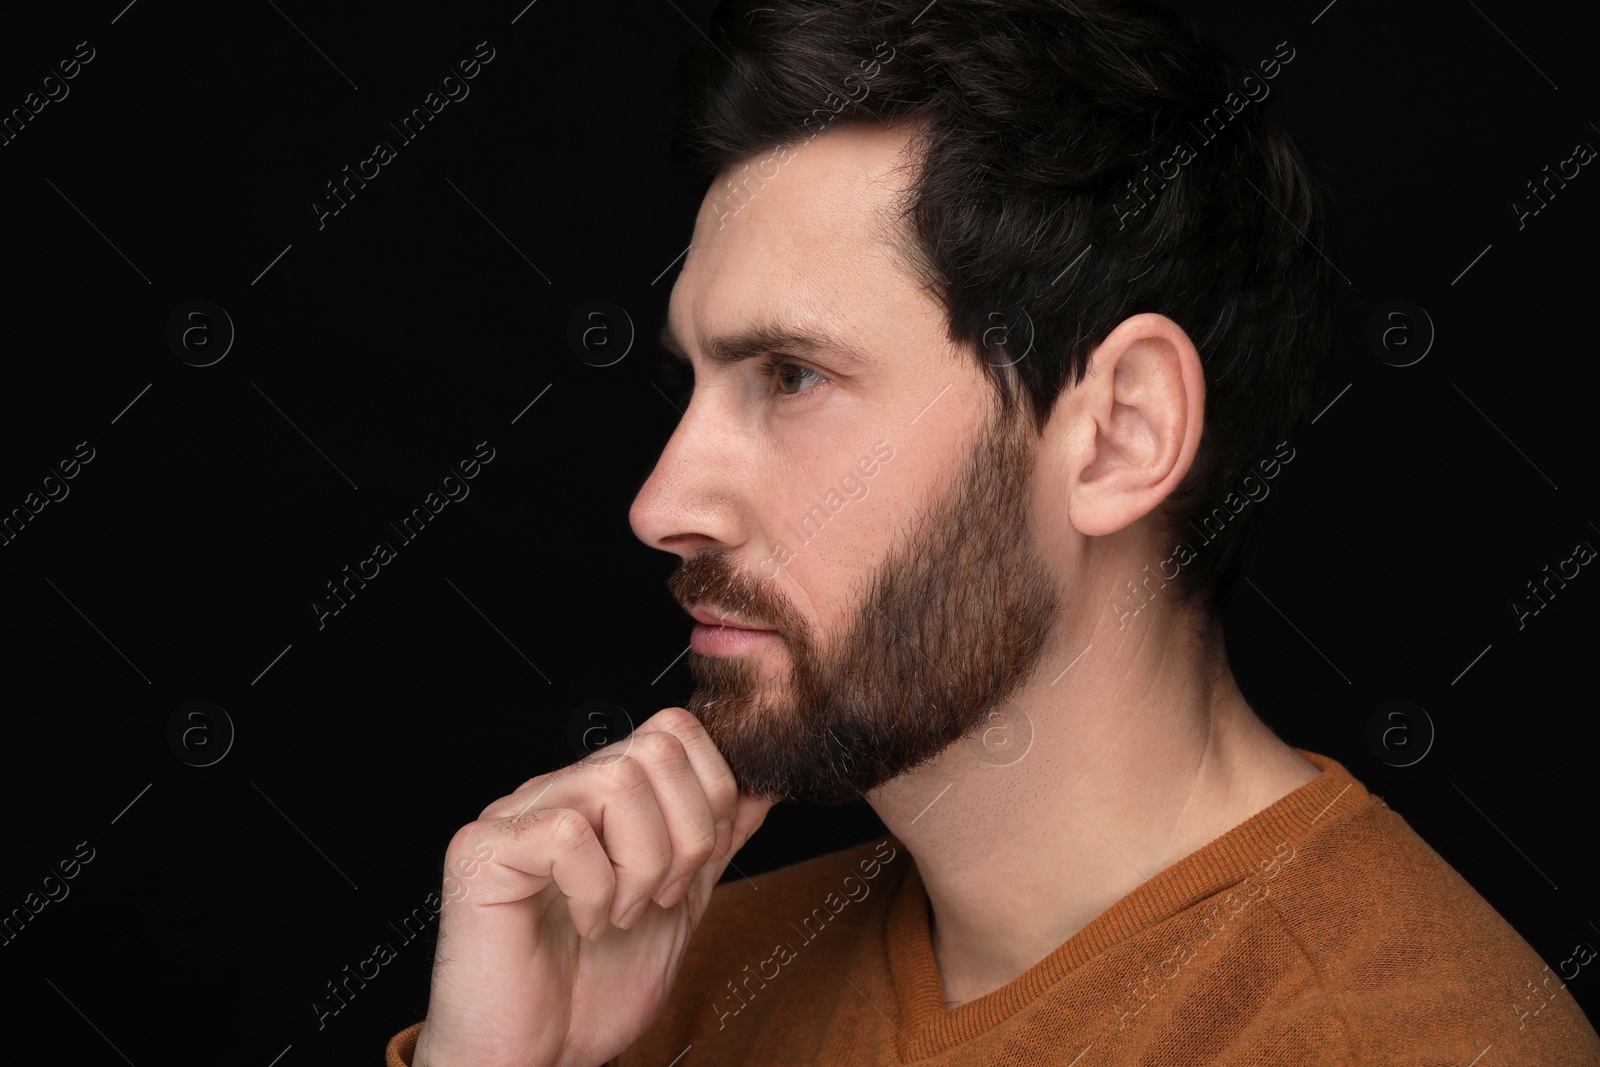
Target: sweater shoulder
{"x":1401,"y":952}
{"x":1367,"y":878}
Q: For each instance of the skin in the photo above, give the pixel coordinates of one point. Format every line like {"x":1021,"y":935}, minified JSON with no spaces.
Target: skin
{"x":569,"y":904}
{"x":949,"y":623}
{"x":1145,"y":749}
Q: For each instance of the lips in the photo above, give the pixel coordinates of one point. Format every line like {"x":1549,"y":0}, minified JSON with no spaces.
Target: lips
{"x":731,"y":622}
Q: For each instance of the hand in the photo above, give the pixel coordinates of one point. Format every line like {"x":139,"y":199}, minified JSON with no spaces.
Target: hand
{"x":569,"y":904}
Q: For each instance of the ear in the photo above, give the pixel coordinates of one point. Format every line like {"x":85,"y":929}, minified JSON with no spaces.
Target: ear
{"x":1142,"y":406}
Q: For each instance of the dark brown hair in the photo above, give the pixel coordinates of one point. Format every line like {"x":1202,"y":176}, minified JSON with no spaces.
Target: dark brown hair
{"x":1081,"y":163}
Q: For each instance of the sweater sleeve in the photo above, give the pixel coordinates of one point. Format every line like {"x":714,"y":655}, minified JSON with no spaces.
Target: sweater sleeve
{"x":402,"y":1046}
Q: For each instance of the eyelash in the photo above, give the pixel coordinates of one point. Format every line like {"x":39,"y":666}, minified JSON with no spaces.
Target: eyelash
{"x":771,"y":368}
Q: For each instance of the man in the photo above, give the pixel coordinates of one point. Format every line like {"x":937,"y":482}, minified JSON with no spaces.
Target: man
{"x":999,"y":314}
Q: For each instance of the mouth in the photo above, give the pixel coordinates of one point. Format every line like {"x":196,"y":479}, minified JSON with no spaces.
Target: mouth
{"x":717,"y":634}
{"x":721,"y":620}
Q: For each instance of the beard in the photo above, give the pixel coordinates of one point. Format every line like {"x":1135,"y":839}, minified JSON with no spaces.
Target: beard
{"x":953,"y":621}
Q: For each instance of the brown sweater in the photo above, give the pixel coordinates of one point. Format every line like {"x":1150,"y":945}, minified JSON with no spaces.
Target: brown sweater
{"x":1322,"y":931}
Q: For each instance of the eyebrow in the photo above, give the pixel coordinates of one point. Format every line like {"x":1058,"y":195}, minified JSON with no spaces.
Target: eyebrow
{"x":763,"y":339}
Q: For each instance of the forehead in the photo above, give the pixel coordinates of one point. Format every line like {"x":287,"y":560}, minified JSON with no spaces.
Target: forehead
{"x":815,"y":244}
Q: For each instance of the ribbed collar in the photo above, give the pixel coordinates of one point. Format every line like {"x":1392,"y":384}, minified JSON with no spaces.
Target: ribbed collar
{"x":928,"y":1029}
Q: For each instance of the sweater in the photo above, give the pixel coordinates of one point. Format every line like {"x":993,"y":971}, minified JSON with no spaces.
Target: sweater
{"x":1320,"y":931}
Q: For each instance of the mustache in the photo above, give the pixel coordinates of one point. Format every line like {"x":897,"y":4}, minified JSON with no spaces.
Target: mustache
{"x":710,"y":580}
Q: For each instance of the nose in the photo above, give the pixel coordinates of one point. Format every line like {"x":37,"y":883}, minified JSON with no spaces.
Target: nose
{"x":691,"y":501}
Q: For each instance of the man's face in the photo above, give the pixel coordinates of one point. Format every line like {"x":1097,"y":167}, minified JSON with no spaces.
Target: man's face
{"x":871,"y":513}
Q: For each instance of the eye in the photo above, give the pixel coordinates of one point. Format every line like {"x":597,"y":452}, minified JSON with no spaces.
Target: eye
{"x":679,"y":378}
{"x":787,"y":373}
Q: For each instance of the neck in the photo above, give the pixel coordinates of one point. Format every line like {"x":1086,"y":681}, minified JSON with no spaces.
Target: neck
{"x":1141,"y":751}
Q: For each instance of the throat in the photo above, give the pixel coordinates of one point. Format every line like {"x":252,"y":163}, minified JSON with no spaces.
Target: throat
{"x":958,"y":985}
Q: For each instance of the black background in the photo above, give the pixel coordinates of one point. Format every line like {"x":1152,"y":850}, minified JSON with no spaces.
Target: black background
{"x":425,"y":317}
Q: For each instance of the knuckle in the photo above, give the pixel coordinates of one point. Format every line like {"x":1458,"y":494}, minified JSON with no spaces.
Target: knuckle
{"x":683,"y":724}
{"x":657,"y":747}
{"x":723,"y":794}
{"x":675,"y":721}
{"x":655,"y":874}
{"x":569,"y":829}
{"x":655,"y":866}
{"x":624,"y":773}
{"x":695,"y":837}
{"x":499,"y":809}
{"x":465,"y":842}
{"x":705,"y":825}
{"x":699,"y":852}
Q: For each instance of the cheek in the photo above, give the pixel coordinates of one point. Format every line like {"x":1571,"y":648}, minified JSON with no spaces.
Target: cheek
{"x":811,"y":584}
{"x":1048,"y":516}
{"x":828,"y":578}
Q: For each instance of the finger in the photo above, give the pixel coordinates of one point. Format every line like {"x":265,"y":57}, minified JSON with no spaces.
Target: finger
{"x":716,"y":779}
{"x":684,"y":806}
{"x":621,"y":803}
{"x":529,"y":852}
{"x":582,"y":870}
{"x":739,"y":815}
{"x":527,"y":795}
{"x":717,"y":783}
{"x":750,"y":814}
{"x":616,"y":796}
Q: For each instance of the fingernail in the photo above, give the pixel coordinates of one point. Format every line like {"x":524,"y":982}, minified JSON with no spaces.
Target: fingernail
{"x":633,"y":913}
{"x":672,"y":891}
